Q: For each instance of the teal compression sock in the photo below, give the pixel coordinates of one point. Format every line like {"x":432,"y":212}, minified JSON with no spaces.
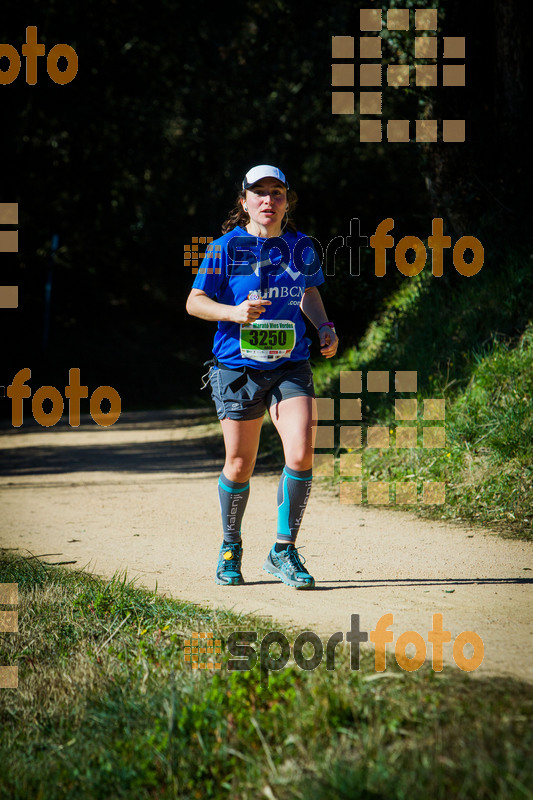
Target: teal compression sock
{"x":293,"y":494}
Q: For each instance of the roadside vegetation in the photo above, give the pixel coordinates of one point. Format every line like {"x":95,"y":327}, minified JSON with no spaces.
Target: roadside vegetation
{"x":107,"y":707}
{"x":471,"y":343}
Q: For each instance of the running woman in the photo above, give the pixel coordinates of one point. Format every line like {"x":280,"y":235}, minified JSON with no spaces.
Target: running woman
{"x":255,"y":281}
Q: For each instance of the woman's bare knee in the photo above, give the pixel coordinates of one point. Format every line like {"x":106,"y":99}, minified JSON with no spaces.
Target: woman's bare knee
{"x":299,"y":464}
{"x":238,"y":469}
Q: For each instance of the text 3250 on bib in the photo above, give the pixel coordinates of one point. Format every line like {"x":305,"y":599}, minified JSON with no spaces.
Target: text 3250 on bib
{"x":267,"y":340}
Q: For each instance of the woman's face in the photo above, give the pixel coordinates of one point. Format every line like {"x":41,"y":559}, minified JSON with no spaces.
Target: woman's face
{"x":266,"y":202}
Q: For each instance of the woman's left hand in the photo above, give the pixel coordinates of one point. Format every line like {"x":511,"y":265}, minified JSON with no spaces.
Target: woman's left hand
{"x":328,"y":341}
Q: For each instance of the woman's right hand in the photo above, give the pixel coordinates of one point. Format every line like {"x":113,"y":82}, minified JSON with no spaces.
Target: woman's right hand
{"x":250,"y":310}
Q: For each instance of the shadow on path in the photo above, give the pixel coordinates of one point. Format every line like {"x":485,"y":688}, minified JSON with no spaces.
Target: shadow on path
{"x":186,"y":455}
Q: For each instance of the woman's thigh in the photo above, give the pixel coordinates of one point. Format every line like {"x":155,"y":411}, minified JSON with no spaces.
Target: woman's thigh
{"x":241,"y":440}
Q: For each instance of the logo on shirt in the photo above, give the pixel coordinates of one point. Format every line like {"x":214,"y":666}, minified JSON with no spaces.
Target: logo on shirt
{"x":282,"y":292}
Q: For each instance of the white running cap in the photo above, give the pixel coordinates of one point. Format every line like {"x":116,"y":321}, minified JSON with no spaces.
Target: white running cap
{"x":263,"y":171}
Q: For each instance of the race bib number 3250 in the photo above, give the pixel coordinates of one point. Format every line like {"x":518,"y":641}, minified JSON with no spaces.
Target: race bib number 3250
{"x":267,"y":340}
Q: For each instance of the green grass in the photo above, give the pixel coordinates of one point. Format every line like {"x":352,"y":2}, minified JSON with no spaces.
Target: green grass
{"x":487,"y":463}
{"x":107,"y":707}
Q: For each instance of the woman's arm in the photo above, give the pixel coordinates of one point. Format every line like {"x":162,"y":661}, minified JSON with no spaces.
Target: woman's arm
{"x":199,"y":304}
{"x":313,"y":308}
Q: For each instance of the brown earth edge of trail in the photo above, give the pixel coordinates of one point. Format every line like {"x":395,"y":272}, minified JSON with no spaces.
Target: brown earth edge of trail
{"x":142,"y":495}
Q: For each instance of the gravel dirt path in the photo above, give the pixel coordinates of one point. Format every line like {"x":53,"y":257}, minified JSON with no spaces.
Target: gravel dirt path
{"x":142,"y":495}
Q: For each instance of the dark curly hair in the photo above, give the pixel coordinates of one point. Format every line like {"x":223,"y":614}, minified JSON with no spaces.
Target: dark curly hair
{"x":238,"y":216}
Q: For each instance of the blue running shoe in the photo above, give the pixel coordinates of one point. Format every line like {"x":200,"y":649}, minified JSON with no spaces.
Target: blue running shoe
{"x":229,"y":565}
{"x":287,"y":566}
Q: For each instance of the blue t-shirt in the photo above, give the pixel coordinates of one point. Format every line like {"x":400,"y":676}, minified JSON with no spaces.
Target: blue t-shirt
{"x":279,"y":269}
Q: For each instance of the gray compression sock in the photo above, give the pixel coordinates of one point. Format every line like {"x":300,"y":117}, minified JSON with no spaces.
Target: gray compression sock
{"x":233,"y":498}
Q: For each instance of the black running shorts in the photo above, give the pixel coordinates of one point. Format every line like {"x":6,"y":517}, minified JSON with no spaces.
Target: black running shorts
{"x":247,"y":393}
